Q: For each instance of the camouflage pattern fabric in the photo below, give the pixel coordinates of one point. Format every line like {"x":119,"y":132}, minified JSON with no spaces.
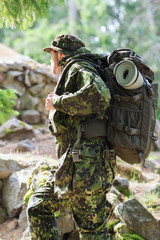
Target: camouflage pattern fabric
{"x":82,"y":185}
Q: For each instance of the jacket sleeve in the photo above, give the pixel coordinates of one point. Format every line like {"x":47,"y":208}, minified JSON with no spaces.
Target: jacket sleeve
{"x":92,"y":97}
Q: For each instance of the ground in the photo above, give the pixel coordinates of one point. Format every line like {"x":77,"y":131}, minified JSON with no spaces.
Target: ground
{"x":45,"y":148}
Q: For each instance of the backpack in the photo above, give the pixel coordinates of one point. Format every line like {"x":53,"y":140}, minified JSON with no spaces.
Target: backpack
{"x":131,"y":115}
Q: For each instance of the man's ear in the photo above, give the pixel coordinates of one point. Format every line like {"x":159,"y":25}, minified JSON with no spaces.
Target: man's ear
{"x":61,"y":55}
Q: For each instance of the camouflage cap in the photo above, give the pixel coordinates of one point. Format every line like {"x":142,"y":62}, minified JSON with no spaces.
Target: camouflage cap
{"x":65,"y":44}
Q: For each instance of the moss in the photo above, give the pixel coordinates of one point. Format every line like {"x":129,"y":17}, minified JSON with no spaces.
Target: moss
{"x":43,"y":168}
{"x":29,"y":180}
{"x":23,"y":124}
{"x":29,"y":194}
{"x":110,"y":225}
{"x":131,"y":237}
{"x":42,"y":177}
{"x":8,"y":130}
{"x":125,"y":192}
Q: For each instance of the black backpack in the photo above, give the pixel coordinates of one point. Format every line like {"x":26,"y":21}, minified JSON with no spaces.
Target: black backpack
{"x":131,"y":114}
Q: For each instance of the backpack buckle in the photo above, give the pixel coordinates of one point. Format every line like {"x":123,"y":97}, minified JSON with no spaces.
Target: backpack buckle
{"x":109,"y":154}
{"x":154,"y":137}
{"x":76,"y":155}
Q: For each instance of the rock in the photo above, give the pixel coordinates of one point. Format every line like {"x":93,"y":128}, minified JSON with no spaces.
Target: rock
{"x":41,"y":107}
{"x":22,"y":221}
{"x":138,"y":219}
{"x":129,"y":171}
{"x":3,"y":215}
{"x":3,"y":66}
{"x":36,"y":89}
{"x":16,"y":129}
{"x":12,"y":74}
{"x":44,"y":130}
{"x":26,"y":234}
{"x":15,"y":85}
{"x":153,"y":165}
{"x":2,"y":77}
{"x":14,"y":65}
{"x":115,"y":191}
{"x":46,"y":90}
{"x":3,"y":143}
{"x":121,"y":228}
{"x":28,"y":102}
{"x":156,"y":188}
{"x":65,"y":223}
{"x":26,"y":78}
{"x":7,"y":167}
{"x":35,"y":77}
{"x":1,"y":183}
{"x":25,"y":146}
{"x":74,"y":235}
{"x":31,"y":116}
{"x":112,"y":198}
{"x":13,"y":191}
{"x":121,"y":183}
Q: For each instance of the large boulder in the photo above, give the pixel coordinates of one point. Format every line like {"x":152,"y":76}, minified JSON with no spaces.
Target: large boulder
{"x":8,"y":166}
{"x":129,"y":171}
{"x":138,"y":219}
{"x":153,"y":164}
{"x":13,"y":191}
{"x":16,"y":129}
{"x":22,"y":221}
{"x":121,"y":183}
{"x":31,"y":116}
{"x":28,"y":102}
{"x":3,"y":215}
{"x":25,"y":146}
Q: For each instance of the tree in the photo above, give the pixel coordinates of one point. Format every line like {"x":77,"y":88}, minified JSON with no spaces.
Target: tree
{"x":21,"y":13}
{"x":7,"y":97}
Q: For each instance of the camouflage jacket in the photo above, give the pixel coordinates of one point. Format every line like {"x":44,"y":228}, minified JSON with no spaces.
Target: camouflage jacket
{"x":83,"y":95}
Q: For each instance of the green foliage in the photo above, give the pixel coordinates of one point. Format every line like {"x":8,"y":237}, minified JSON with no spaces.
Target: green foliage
{"x":125,"y":192}
{"x":130,"y":237}
{"x":21,"y":13}
{"x":37,"y":179}
{"x":111,"y":224}
{"x":150,"y":198}
{"x":7,"y":102}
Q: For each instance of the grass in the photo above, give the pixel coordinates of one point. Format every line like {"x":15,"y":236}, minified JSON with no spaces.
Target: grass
{"x":149,"y":199}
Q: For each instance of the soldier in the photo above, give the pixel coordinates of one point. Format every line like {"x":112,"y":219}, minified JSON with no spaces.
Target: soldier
{"x":84,"y":176}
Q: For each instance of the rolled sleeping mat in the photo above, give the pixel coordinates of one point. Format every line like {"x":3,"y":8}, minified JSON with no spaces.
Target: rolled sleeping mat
{"x":127,"y":75}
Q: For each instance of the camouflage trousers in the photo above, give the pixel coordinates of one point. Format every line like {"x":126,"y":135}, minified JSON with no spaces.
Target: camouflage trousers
{"x":86,"y":198}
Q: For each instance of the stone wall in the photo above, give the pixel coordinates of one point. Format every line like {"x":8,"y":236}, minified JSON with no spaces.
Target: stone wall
{"x":33,"y":82}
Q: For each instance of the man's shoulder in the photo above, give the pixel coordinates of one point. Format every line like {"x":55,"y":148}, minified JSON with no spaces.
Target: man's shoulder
{"x":81,"y":65}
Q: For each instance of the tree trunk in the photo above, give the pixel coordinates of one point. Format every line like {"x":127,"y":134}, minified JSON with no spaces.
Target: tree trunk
{"x":73,"y":16}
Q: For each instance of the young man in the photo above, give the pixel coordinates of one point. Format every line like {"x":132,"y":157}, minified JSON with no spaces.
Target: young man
{"x":84,"y":176}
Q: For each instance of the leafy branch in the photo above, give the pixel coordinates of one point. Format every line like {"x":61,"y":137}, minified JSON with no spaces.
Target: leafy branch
{"x":7,"y":102}
{"x":21,"y":14}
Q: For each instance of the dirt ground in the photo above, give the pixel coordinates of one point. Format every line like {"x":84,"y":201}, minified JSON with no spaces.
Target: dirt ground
{"x":45,"y":148}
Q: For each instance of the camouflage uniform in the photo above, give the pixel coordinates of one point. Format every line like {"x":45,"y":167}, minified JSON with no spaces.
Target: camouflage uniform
{"x":82,"y":185}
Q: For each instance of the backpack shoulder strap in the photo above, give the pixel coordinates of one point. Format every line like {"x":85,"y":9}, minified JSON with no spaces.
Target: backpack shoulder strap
{"x":62,"y":77}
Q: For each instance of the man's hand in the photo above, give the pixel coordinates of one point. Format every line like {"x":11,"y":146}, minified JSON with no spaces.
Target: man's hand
{"x":49,"y":101}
